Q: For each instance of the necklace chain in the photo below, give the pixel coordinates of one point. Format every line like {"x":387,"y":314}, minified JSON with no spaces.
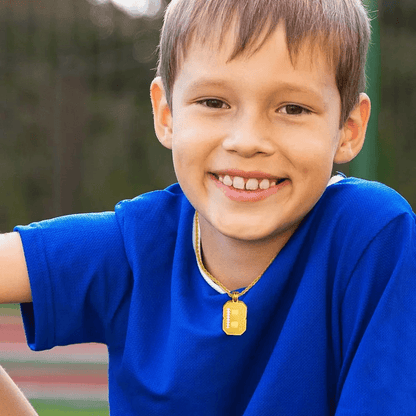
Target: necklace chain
{"x":235,"y":294}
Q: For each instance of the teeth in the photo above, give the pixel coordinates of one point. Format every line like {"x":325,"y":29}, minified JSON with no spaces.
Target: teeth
{"x":265,"y":184}
{"x":227,"y":180}
{"x":252,"y":184}
{"x":238,"y":182}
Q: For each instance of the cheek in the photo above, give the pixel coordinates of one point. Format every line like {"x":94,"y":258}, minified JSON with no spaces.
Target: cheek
{"x":312,"y":146}
{"x":183,"y":143}
{"x":188,"y":154}
{"x":180,"y":162}
{"x":193,"y":141}
{"x":336,"y":142}
{"x":310,"y":154}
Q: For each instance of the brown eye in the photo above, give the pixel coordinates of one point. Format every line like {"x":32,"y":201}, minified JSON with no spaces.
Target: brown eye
{"x":294,"y":109}
{"x":213,"y":103}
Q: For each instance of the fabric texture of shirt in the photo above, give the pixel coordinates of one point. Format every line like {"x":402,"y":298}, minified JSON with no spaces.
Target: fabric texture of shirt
{"x":331,"y":325}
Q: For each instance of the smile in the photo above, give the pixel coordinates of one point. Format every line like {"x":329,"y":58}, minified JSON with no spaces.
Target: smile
{"x":248,"y":184}
{"x":241,"y":189}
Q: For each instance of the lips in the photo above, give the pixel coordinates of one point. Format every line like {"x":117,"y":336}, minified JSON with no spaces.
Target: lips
{"x":247,"y":181}
{"x":247,"y":188}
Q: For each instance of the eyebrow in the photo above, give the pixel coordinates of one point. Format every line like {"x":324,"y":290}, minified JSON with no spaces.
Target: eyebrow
{"x":297,"y":88}
{"x":312,"y":92}
{"x":208,"y":83}
{"x":283,"y":86}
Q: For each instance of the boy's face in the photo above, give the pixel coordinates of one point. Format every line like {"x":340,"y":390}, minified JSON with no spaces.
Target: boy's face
{"x":253,"y":118}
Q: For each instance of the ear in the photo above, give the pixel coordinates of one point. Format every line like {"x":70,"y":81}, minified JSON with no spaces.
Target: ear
{"x":162,"y":115}
{"x":353,"y":133}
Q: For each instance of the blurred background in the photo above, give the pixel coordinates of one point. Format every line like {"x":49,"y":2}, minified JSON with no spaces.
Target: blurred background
{"x":76,"y":135}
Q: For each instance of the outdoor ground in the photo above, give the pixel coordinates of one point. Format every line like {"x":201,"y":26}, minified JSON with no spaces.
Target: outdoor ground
{"x":63,"y":381}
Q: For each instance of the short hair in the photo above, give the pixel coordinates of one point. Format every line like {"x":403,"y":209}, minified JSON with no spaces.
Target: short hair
{"x":340,"y":28}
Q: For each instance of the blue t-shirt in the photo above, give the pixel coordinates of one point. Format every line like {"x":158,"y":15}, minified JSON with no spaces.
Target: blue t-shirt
{"x":331,"y":325}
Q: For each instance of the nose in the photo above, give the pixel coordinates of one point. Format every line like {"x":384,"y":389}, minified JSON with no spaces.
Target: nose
{"x":249,"y":136}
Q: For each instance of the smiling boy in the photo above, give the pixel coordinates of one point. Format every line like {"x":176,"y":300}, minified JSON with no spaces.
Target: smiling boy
{"x":259,"y":285}
{"x":283,"y":125}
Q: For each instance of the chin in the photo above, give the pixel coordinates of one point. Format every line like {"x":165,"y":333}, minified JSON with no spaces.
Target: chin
{"x":247,"y":233}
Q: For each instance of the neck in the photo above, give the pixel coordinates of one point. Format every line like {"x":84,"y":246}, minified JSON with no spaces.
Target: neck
{"x":236,"y":263}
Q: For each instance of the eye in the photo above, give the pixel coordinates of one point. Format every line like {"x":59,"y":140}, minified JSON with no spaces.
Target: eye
{"x":294,"y":110}
{"x":213,"y":103}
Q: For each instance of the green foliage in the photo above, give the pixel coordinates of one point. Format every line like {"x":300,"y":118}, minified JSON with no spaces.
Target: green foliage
{"x":76,"y":125}
{"x":69,"y":408}
{"x":397,"y":126}
{"x":77,"y":130}
{"x":9,"y":309}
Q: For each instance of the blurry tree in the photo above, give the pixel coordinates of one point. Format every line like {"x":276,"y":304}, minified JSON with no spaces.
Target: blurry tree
{"x":365,"y":165}
{"x":76,"y":123}
{"x":397,"y":121}
{"x":76,"y":130}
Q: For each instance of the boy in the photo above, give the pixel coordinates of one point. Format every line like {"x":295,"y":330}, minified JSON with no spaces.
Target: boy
{"x":254,"y":288}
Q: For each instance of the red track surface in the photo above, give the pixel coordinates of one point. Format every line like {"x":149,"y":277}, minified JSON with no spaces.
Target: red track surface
{"x":77,"y":372}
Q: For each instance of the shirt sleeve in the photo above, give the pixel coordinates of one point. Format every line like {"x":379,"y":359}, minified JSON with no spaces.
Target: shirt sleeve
{"x":80,"y":280}
{"x":378,"y":321}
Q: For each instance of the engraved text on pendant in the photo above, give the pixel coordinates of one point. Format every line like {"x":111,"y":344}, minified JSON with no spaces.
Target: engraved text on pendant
{"x":234,"y":320}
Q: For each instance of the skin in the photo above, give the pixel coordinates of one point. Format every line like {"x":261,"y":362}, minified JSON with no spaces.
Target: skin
{"x":14,"y":288}
{"x":14,"y":278}
{"x":257,"y":112}
{"x":12,"y":400}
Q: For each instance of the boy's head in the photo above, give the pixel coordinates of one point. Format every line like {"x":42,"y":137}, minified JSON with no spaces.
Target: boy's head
{"x":340,"y":28}
{"x":257,"y":99}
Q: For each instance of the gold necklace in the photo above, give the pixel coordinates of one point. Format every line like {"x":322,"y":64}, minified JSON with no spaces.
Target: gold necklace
{"x":234,"y":314}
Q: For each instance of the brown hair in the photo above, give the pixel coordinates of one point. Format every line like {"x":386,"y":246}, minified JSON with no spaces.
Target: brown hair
{"x":340,"y":28}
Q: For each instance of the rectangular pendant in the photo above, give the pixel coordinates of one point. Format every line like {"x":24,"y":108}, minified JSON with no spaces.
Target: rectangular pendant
{"x":234,"y":320}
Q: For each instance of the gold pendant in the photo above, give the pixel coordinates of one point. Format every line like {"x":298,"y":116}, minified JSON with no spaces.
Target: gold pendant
{"x":234,"y":320}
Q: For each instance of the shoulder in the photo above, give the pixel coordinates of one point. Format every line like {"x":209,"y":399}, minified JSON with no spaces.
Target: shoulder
{"x":155,"y":226}
{"x":154,"y":215}
{"x":352,"y":213}
{"x":159,"y":205}
{"x":358,"y":200}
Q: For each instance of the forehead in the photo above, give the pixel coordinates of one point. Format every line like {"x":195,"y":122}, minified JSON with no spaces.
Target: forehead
{"x":268,"y":61}
{"x":243,"y":38}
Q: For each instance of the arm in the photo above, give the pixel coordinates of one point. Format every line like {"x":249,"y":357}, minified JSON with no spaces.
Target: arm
{"x":14,"y":278}
{"x":12,"y":400}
